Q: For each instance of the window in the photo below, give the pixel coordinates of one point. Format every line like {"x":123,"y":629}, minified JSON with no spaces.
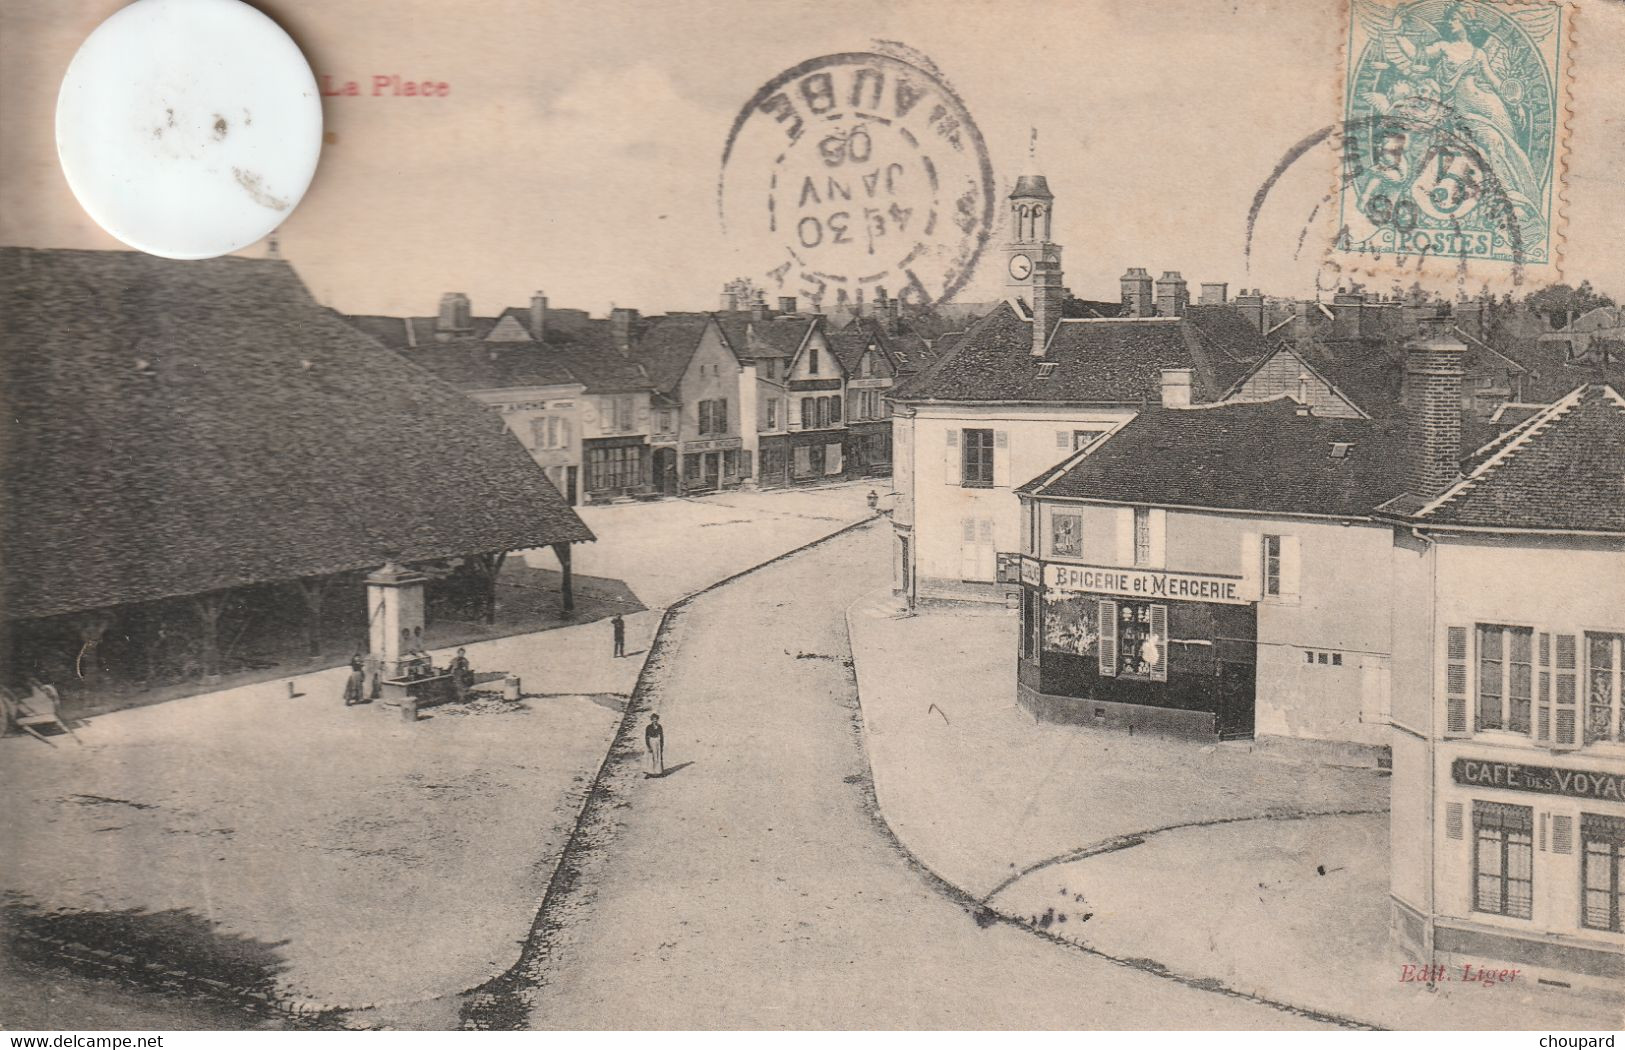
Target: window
{"x":1505,"y":677}
{"x":1134,"y":640}
{"x":812,"y":360}
{"x":772,"y":413}
{"x":1602,"y":841}
{"x":809,"y":413}
{"x":1603,"y":681}
{"x":978,"y":459}
{"x":835,"y":409}
{"x":713,"y":417}
{"x":610,"y":469}
{"x":772,"y":368}
{"x":1082,"y":439}
{"x":691,"y":467}
{"x":1503,"y":859}
{"x":1272,"y":566}
{"x":1066,"y":535}
{"x":621,"y":413}
{"x":1142,"y":536}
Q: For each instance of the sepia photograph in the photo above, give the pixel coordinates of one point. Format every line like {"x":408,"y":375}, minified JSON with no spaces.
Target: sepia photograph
{"x":908,"y":516}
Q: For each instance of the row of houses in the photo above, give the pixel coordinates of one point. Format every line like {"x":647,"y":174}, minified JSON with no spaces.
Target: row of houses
{"x":630,"y":406}
{"x":1217,"y":534}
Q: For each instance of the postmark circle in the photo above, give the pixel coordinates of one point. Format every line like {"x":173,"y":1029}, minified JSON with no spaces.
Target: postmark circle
{"x":188,"y":128}
{"x":857,"y":172}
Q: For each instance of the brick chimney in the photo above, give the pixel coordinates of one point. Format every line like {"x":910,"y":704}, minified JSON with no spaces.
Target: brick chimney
{"x":1137,"y":292}
{"x":1047,"y":298}
{"x":893,"y":315}
{"x":1433,"y":379}
{"x":758,"y":309}
{"x":878,"y":308}
{"x":538,"y":316}
{"x":456,"y":317}
{"x":1215,"y":293}
{"x":621,"y":320}
{"x":1172,"y":296}
{"x":787,"y":304}
{"x":1250,"y":304}
{"x":730,"y":302}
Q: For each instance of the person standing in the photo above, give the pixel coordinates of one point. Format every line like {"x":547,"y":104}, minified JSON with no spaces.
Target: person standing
{"x":619,"y":627}
{"x":654,"y":738}
{"x":462,"y":675}
{"x":354,"y":685}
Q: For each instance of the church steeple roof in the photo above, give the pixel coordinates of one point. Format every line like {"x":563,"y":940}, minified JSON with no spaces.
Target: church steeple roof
{"x":1032,"y":186}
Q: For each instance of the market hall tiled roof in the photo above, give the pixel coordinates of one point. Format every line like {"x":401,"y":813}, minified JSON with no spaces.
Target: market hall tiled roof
{"x":1090,"y":361}
{"x":1268,"y":457}
{"x":1561,"y":470}
{"x":174,"y":428}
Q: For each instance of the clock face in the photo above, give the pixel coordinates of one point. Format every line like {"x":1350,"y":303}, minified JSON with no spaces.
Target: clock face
{"x":1021,"y":267}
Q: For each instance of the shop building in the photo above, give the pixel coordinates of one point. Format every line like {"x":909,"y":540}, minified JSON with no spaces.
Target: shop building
{"x":1508,"y":825}
{"x":558,"y":378}
{"x":694,"y":368}
{"x":1034,"y":380}
{"x":1205,"y":572}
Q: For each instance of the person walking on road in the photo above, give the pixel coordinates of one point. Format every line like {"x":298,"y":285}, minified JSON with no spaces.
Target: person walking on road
{"x":619,"y":626}
{"x":654,"y":738}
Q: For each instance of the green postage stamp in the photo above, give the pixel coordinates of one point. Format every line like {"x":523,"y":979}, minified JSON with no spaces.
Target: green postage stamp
{"x":1455,"y":116}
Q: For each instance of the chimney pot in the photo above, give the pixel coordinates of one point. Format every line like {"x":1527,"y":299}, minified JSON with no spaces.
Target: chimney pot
{"x":538,"y":316}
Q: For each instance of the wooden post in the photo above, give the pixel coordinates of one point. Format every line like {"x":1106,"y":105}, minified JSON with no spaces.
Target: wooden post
{"x":208,"y":608}
{"x":567,"y":592}
{"x":490,"y":566}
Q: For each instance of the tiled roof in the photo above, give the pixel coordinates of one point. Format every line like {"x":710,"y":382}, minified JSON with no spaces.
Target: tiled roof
{"x":666,"y":349}
{"x":577,"y":349}
{"x":1095,"y":361}
{"x":472,"y":364}
{"x":1264,"y":457}
{"x":1563,"y":469}
{"x":180,"y":427}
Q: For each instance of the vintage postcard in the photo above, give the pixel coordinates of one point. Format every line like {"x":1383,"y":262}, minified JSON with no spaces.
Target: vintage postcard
{"x":753,"y":515}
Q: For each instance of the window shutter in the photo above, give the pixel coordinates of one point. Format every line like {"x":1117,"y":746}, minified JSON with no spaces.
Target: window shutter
{"x":1125,"y":536}
{"x":1159,"y":633}
{"x":1543,"y":688}
{"x":1159,"y":539}
{"x":954,"y":466}
{"x":1565,"y":708}
{"x":1252,"y":562}
{"x":1063,"y":440}
{"x":987,"y":559}
{"x":1108,"y":638}
{"x":1452,"y":820}
{"x":1562,"y":833}
{"x":722,"y":416}
{"x":1455,"y":682}
{"x":1001,"y":459}
{"x":1290,"y":564}
{"x":968,"y":560}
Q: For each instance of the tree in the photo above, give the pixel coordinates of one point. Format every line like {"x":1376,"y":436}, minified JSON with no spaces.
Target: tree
{"x":1556,"y":303}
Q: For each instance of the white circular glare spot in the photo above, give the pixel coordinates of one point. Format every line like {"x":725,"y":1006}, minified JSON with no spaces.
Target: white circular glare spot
{"x":189,"y":128}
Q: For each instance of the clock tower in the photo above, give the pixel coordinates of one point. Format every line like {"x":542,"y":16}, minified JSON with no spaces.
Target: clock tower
{"x":1031,"y":211}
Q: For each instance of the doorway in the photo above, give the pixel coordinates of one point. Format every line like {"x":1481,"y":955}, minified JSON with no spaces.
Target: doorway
{"x":713,"y":470}
{"x":1236,"y":686}
{"x":665,"y":471}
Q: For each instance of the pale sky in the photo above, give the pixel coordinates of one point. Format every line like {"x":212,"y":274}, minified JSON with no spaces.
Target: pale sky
{"x":579,"y":148}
